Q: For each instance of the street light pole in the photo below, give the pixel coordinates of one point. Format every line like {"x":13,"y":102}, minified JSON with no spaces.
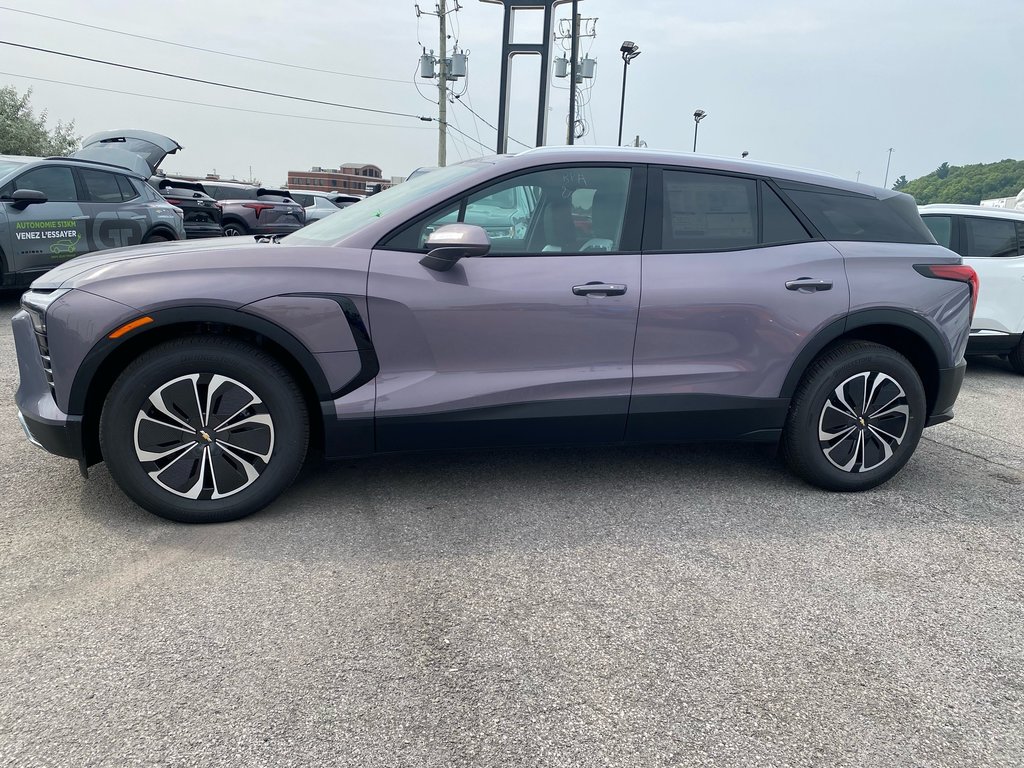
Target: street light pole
{"x":699,"y":115}
{"x":630,"y":51}
{"x":885,"y":183}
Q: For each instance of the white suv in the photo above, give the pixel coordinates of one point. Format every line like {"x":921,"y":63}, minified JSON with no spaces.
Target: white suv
{"x":992,"y":241}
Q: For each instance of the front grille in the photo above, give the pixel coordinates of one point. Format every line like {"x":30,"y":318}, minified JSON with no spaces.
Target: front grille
{"x":44,"y":354}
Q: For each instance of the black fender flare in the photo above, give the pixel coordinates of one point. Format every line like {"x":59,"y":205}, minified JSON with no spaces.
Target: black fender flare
{"x":190,"y":315}
{"x":861,"y":319}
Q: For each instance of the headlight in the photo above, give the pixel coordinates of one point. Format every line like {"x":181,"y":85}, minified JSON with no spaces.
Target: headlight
{"x":37,"y":302}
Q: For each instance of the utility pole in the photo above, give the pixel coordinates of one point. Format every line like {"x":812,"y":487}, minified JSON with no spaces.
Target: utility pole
{"x":442,"y":87}
{"x":573,"y":71}
{"x":885,"y":183}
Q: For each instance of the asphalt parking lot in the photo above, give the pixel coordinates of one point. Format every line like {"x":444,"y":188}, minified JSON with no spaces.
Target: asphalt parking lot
{"x":631,"y":607}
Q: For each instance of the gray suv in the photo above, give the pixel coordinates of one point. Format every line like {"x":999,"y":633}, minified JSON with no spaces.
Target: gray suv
{"x":52,"y":210}
{"x":645,"y":297}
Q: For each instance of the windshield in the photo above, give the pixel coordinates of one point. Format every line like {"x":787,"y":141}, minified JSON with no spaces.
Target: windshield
{"x":7,"y":165}
{"x":356,"y":216}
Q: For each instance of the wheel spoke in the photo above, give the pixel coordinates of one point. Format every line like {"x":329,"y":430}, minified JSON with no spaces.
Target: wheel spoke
{"x":184,"y":454}
{"x":862,"y":436}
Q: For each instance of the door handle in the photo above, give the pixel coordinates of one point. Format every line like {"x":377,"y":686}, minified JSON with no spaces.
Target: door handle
{"x":808,"y":285}
{"x":599,"y":289}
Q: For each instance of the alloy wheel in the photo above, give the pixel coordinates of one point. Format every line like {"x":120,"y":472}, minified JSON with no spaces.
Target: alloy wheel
{"x":863,"y":422}
{"x":204,"y":436}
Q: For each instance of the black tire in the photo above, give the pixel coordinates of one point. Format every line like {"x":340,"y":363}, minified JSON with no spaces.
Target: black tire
{"x":235,"y":229}
{"x":827,"y":396}
{"x":156,"y":239}
{"x":1016,"y":357}
{"x":268,"y":436}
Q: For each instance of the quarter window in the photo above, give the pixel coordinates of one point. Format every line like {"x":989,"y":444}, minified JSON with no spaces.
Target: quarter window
{"x":128,"y":190}
{"x":990,"y":238}
{"x":54,"y":181}
{"x":840,"y":215}
{"x":941,"y":228}
{"x":707,"y":212}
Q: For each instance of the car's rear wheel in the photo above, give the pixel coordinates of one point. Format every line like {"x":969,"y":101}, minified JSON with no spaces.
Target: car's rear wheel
{"x":156,"y":239}
{"x":856,"y":418}
{"x":204,"y":430}
{"x":1016,"y":356}
{"x":235,"y":229}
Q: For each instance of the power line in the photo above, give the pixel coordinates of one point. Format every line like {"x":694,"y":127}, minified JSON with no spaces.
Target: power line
{"x":211,"y":82}
{"x":214,"y":106}
{"x":198,"y":48}
{"x":463,"y":133}
{"x":491,"y":125}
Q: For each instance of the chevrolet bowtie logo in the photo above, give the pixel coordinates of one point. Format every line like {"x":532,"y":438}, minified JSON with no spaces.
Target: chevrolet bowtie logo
{"x":209,"y":439}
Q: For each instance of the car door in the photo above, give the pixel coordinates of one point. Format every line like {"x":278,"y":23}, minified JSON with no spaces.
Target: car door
{"x":521,"y":346}
{"x":734,"y":287}
{"x":990,"y":245}
{"x":112,"y":220}
{"x":43,"y":235}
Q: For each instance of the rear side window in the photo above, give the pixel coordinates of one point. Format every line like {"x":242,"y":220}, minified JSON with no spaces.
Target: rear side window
{"x":941,"y":228}
{"x":842,"y":215}
{"x":100,"y":186}
{"x":54,"y":181}
{"x":304,"y":200}
{"x":989,"y":238}
{"x":707,"y":212}
{"x":778,"y":223}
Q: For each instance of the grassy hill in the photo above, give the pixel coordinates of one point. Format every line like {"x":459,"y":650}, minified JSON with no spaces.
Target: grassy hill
{"x":969,"y":184}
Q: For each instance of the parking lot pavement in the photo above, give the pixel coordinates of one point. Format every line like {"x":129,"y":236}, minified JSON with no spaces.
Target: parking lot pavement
{"x":632,"y":607}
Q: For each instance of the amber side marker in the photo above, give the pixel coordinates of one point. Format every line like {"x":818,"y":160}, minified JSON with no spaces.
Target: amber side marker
{"x":128,"y":327}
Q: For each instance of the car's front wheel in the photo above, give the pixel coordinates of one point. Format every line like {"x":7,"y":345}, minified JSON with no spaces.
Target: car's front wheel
{"x":856,"y":418}
{"x":204,"y":430}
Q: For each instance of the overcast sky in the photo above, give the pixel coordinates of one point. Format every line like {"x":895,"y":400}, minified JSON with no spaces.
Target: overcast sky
{"x":813,"y":83}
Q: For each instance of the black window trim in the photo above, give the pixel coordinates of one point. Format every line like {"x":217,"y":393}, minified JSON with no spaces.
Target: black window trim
{"x":632,"y":227}
{"x":653,"y":228}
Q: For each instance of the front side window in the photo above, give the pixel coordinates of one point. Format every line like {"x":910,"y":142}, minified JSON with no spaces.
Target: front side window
{"x":54,"y":181}
{"x":941,"y":228}
{"x":989,"y":238}
{"x":559,"y":210}
{"x":707,"y":212}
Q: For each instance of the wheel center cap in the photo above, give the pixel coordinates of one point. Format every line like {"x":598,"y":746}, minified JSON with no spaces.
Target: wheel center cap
{"x":203,"y":434}
{"x":863,"y":423}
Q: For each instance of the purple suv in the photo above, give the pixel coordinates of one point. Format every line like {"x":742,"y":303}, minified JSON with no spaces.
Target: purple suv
{"x":640,"y":296}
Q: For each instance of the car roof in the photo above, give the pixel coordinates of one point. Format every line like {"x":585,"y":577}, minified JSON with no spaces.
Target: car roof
{"x":706,"y":162}
{"x":78,"y":161}
{"x":973,"y":210}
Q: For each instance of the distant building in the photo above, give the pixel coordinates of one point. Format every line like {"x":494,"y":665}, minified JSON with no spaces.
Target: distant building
{"x":353,"y":178}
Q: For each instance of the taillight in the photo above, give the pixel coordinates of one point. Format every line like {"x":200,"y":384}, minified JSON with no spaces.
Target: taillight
{"x":258,"y":207}
{"x":172,"y":201}
{"x":958,"y":272}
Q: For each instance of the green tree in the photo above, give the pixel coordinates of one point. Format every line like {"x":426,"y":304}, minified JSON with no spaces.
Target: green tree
{"x":22,"y":133}
{"x":968,"y":184}
{"x":901,"y":182}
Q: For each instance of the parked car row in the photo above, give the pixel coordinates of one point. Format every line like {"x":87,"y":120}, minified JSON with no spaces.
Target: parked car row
{"x":54,"y":209}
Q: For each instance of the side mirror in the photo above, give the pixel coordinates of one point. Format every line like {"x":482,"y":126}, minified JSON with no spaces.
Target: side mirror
{"x":452,"y":242}
{"x":22,"y":198}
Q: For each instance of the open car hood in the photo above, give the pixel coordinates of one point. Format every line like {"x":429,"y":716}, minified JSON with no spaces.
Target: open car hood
{"x":138,"y":151}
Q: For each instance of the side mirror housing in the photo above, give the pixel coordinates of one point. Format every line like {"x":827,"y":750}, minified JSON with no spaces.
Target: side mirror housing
{"x":452,"y":242}
{"x":22,"y":198}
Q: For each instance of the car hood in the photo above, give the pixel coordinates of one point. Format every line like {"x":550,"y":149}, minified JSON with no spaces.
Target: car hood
{"x":79,"y":271}
{"x":139,"y":151}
